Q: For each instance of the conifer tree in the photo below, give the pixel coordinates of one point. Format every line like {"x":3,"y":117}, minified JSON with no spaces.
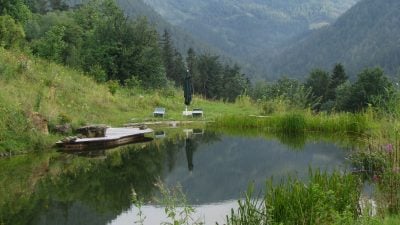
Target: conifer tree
{"x":337,"y":78}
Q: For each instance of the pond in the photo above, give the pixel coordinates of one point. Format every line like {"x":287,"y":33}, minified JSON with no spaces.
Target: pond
{"x":213,"y":170}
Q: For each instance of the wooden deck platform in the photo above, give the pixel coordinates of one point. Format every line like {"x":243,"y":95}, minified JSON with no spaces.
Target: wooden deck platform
{"x":113,"y":137}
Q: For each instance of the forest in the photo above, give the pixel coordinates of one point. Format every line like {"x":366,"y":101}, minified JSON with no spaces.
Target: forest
{"x":100,"y":40}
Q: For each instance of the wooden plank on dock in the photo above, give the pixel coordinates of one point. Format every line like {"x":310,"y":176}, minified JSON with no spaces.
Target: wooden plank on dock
{"x":117,"y":133}
{"x":113,"y":137}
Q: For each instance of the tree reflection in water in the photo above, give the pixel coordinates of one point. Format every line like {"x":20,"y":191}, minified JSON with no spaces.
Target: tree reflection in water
{"x":98,"y":185}
{"x":71,"y":189}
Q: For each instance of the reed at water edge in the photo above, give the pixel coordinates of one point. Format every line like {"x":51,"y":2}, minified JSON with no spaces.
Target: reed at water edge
{"x":297,"y":122}
{"x":325,"y":199}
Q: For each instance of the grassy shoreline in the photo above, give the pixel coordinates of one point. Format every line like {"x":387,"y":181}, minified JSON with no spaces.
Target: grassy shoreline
{"x":63,"y":95}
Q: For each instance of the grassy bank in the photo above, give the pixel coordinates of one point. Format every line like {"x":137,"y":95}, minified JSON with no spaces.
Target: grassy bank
{"x":62,"y":95}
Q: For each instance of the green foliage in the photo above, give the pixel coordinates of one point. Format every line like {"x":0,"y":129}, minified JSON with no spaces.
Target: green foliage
{"x":11,"y":32}
{"x":210,"y":76}
{"x":64,"y":119}
{"x":133,"y":83}
{"x":234,"y":83}
{"x":318,"y":82}
{"x":16,"y":133}
{"x":323,"y":200}
{"x":16,"y":9}
{"x":371,"y":85}
{"x":99,"y":39}
{"x":273,"y":106}
{"x":281,"y":95}
{"x":292,"y":124}
{"x":343,"y":95}
{"x":296,"y":123}
{"x":113,"y":86}
{"x":173,"y":61}
{"x":249,"y":210}
{"x":102,"y":41}
{"x":250,"y":29}
{"x":98,"y":73}
{"x":337,"y":78}
{"x":53,"y":90}
{"x":329,"y":93}
{"x":171,"y":200}
{"x":52,"y":45}
{"x":213,"y":80}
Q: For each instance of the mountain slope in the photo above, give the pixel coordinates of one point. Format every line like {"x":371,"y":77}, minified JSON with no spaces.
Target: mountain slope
{"x":245,"y":28}
{"x":182,"y":40}
{"x":367,"y":35}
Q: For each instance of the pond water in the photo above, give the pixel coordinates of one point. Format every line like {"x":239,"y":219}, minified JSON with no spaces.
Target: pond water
{"x":213,"y":169}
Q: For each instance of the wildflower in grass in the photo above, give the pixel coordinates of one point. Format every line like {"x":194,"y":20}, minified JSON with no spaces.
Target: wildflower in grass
{"x":389,"y":148}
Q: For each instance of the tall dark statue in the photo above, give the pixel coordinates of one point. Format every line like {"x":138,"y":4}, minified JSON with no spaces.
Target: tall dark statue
{"x":187,"y":88}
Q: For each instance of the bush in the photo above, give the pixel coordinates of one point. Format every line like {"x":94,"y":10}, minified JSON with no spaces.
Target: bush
{"x":11,"y":33}
{"x":113,"y":86}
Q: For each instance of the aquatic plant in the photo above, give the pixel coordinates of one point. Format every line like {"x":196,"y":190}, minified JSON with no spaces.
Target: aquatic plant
{"x":379,"y":163}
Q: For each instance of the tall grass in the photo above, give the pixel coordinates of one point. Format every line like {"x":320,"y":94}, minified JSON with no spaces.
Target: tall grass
{"x":291,"y":123}
{"x":16,"y":133}
{"x":325,"y":199}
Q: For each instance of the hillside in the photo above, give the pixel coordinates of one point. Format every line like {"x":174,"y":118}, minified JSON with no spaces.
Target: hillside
{"x":366,"y":36}
{"x":246,"y":28}
{"x":62,"y":95}
{"x":181,"y":39}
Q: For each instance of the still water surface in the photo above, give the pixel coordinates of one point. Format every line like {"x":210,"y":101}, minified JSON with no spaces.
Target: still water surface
{"x":212,"y":168}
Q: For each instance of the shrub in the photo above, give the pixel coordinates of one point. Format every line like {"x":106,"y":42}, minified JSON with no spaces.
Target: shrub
{"x":113,"y":86}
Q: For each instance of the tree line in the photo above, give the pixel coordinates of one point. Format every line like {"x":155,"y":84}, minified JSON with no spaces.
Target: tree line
{"x":100,"y":40}
{"x":332,"y":91}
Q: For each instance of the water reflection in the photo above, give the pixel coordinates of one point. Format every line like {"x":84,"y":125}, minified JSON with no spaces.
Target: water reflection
{"x":190,"y":147}
{"x":212,"y":168}
{"x":159,"y":134}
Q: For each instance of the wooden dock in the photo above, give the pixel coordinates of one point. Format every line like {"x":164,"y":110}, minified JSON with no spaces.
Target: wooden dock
{"x":113,"y":137}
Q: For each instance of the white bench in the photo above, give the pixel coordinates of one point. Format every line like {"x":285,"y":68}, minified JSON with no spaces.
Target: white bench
{"x":197,"y":112}
{"x":159,"y":112}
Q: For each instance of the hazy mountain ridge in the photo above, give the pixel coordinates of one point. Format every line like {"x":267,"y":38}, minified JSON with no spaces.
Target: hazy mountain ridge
{"x":367,"y":35}
{"x":245,"y":28}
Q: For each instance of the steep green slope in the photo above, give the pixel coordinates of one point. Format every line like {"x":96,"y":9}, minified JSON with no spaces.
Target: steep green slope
{"x":366,"y":36}
{"x":245,"y":28}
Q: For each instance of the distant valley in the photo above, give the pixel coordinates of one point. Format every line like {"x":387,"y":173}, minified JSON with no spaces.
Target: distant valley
{"x":367,"y":35}
{"x":246,"y":29}
{"x":275,"y":38}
